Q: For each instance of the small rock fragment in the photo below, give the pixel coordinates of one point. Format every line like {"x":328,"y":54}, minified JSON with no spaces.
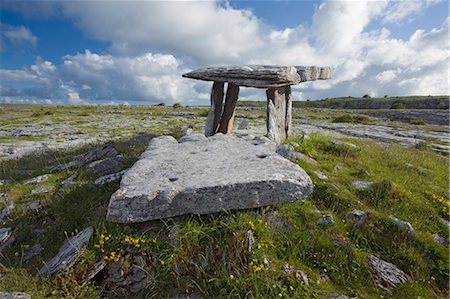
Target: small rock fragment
{"x":363,"y":185}
{"x":32,"y":252}
{"x":37,"y":232}
{"x":7,"y":238}
{"x":403,"y":225}
{"x":37,"y":180}
{"x":5,"y":182}
{"x":290,"y":270}
{"x":188,"y":130}
{"x":7,"y":211}
{"x":249,"y":240}
{"x":386,"y":275}
{"x":325,"y":219}
{"x":441,"y":240}
{"x":110,"y":178}
{"x":34,"y":205}
{"x":193,"y":138}
{"x":42,"y":189}
{"x":336,"y":296}
{"x":97,"y":268}
{"x":244,"y":125}
{"x":356,"y":217}
{"x":288,"y":152}
{"x":321,"y":175}
{"x":130,"y":278}
{"x":107,"y":166}
{"x":68,"y":253}
{"x":14,"y":295}
{"x":187,"y":296}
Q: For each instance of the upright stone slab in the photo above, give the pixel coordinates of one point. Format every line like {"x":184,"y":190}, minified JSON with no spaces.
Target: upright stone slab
{"x":278,"y":113}
{"x":215,"y":112}
{"x":205,"y":175}
{"x":227,"y":120}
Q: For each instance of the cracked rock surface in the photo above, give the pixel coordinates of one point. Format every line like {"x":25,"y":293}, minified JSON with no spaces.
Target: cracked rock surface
{"x":203,"y":175}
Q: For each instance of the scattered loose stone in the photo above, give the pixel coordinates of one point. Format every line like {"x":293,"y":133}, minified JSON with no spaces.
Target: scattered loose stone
{"x":107,"y":166}
{"x":5,"y":182}
{"x":7,"y":211}
{"x":249,"y":240}
{"x":215,"y":174}
{"x":34,"y":205}
{"x":356,"y":217}
{"x":325,"y":219}
{"x":244,"y":125}
{"x":130,"y":278}
{"x":3,"y":196}
{"x":363,"y":185}
{"x":188,"y":130}
{"x":24,"y":172}
{"x":363,"y":171}
{"x":288,"y":152}
{"x":338,"y":167}
{"x":290,"y":270}
{"x":441,"y":240}
{"x":14,"y":295}
{"x":7,"y":238}
{"x":261,"y":140}
{"x":386,"y":275}
{"x":343,"y":143}
{"x":69,"y":180}
{"x":37,"y":180}
{"x":403,"y":225}
{"x":110,"y":178}
{"x":68,"y":253}
{"x":95,"y":154}
{"x":97,"y":268}
{"x":42,"y":189}
{"x":32,"y":252}
{"x":321,"y":175}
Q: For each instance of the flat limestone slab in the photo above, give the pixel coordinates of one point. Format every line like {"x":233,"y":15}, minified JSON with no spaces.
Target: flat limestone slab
{"x":202,"y":175}
{"x":261,"y":76}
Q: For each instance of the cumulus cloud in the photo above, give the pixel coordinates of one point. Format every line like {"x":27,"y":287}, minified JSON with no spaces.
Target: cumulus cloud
{"x":195,"y":34}
{"x":406,"y":10}
{"x":18,"y":34}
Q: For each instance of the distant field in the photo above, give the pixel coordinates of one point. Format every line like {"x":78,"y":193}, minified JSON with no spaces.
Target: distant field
{"x":412,"y":102}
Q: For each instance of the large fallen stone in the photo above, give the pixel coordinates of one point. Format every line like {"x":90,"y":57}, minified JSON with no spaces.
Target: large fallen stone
{"x":108,"y":165}
{"x":386,"y":275}
{"x":205,"y":175}
{"x":68,"y":253}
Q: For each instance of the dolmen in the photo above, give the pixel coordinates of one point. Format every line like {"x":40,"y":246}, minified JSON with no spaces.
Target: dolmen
{"x":277,"y":80}
{"x":203,"y":175}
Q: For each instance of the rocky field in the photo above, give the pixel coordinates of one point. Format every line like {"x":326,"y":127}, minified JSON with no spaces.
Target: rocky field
{"x":376,"y":224}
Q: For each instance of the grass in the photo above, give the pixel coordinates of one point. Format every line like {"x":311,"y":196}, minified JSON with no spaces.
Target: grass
{"x":353,"y":118}
{"x":209,"y":254}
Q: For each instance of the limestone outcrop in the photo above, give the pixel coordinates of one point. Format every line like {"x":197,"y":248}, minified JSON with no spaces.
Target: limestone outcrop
{"x":205,"y":175}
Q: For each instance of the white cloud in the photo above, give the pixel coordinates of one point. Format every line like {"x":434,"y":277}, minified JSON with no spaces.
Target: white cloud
{"x":18,"y":35}
{"x":406,"y":10}
{"x":195,"y":34}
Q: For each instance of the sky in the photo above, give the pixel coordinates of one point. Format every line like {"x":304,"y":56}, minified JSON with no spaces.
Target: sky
{"x":134,"y":52}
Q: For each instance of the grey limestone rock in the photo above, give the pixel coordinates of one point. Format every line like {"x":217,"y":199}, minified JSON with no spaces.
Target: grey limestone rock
{"x":325,"y":219}
{"x":110,"y":177}
{"x":290,"y":270}
{"x":356,"y":217}
{"x":32,"y":252}
{"x":403,"y":225}
{"x":386,"y":275}
{"x":7,"y":211}
{"x":441,"y":240}
{"x":42,"y":189}
{"x":244,"y":125}
{"x":321,"y":175}
{"x":288,"y":152}
{"x":14,"y":295}
{"x":107,"y":166}
{"x":362,"y":185}
{"x":7,"y":238}
{"x":34,"y":205}
{"x":212,"y":174}
{"x":68,"y":253}
{"x":37,"y":180}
